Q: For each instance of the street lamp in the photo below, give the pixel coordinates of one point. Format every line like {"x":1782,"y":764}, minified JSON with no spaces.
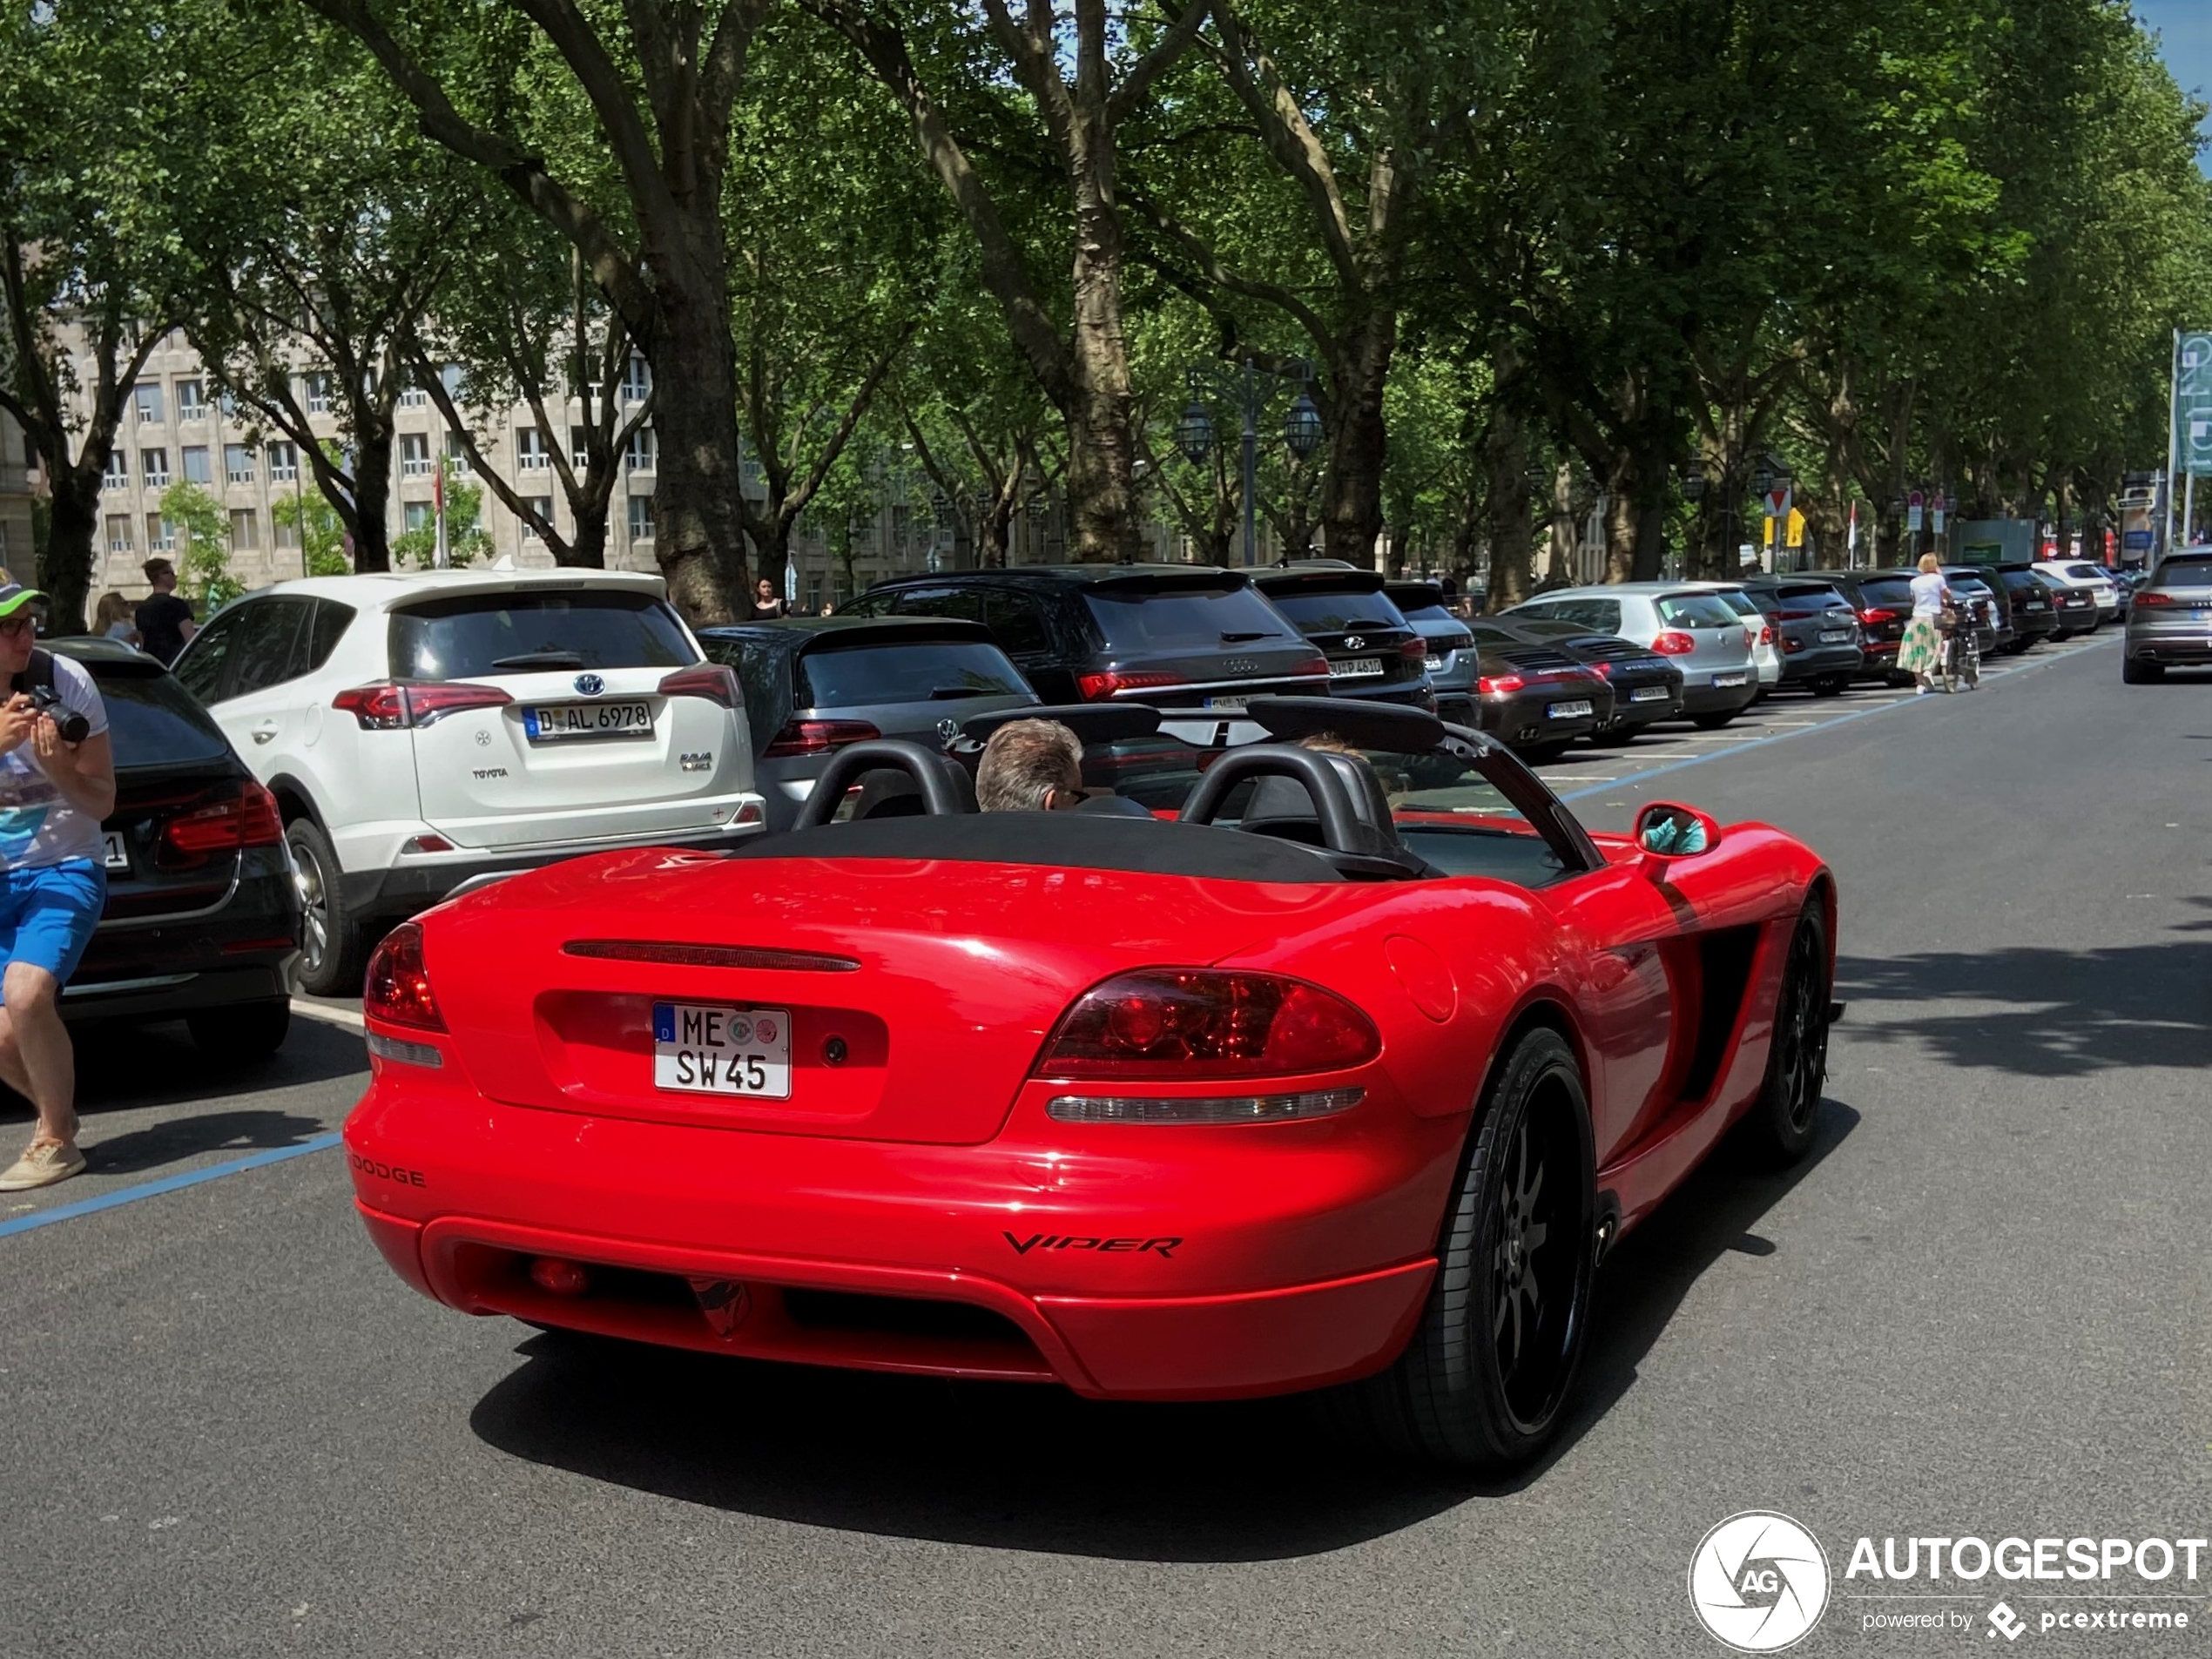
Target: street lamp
{"x":1302,"y":425}
{"x":1693,"y":482}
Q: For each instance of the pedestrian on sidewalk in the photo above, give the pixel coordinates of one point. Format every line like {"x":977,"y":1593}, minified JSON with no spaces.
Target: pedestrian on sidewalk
{"x":767,"y":606}
{"x":165,"y":620}
{"x":1920,"y":652}
{"x":116,"y":618}
{"x":54,"y":790}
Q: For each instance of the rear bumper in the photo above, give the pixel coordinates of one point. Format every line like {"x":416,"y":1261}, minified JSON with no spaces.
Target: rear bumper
{"x":2181,"y":646}
{"x":1708,"y":698}
{"x":1521,"y":719}
{"x":1240,"y":1264}
{"x":414,"y":886}
{"x":157,"y":995}
{"x":1819,"y":660}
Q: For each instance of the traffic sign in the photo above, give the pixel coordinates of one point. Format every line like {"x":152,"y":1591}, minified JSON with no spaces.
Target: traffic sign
{"x":2138,"y":541}
{"x":1914,"y":505}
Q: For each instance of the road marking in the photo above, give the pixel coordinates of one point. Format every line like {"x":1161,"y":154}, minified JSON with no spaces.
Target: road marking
{"x":167,"y":1184}
{"x":329,"y":1016}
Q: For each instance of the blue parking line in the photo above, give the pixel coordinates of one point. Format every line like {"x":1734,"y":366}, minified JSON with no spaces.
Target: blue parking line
{"x":167,"y":1184}
{"x":1631,"y":781}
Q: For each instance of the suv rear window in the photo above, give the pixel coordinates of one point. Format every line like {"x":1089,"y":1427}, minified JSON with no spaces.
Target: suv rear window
{"x":152,"y":721}
{"x":1696,"y":611}
{"x":2020,"y":581}
{"x":467,"y":636}
{"x":1820,"y":593}
{"x":1890,"y":591}
{"x":2083,"y":573}
{"x":1182,"y":619}
{"x":2184,"y":573}
{"x":927,"y":671}
{"x":1332,"y":613}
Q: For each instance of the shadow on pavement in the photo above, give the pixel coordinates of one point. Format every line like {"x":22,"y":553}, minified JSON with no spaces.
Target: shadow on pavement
{"x":2059,"y":1012}
{"x":183,"y":1138}
{"x":121,"y":1068}
{"x":1009,"y":1466}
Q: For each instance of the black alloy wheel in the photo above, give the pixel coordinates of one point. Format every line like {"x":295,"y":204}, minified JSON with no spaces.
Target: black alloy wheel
{"x":2134,"y":670}
{"x":330,"y":938}
{"x":1781,"y":1125}
{"x":1830,"y":684}
{"x":1483,"y":1382}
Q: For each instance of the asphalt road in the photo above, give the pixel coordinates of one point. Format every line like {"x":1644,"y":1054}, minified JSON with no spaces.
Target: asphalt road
{"x":1984,"y":1306}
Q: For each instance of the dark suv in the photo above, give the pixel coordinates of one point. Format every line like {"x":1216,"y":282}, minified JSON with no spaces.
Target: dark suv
{"x":2026,"y":598}
{"x":1373,"y":652}
{"x":1174,"y":636}
{"x":1816,"y":630}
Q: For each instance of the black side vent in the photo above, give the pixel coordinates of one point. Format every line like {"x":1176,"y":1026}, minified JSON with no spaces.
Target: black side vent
{"x":1724,"y":974}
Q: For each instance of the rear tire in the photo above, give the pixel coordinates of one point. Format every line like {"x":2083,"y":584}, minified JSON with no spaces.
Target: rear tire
{"x":332,"y":939}
{"x":1781,"y":1126}
{"x":1542,"y":754}
{"x":245,"y":1031}
{"x":1483,"y":1382}
{"x":1830,"y":684}
{"x":1714,"y":722}
{"x":1614,"y":737}
{"x":2133,"y":671}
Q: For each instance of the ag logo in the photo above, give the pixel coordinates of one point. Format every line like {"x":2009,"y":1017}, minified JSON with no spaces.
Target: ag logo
{"x":1759,"y":1581}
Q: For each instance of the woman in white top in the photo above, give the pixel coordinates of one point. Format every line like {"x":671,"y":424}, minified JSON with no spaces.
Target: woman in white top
{"x":1920,"y":652}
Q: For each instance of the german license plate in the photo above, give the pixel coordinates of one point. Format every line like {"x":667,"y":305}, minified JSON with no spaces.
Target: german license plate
{"x":112,"y":845}
{"x":1435,"y":664}
{"x":1353,"y":668}
{"x":1721,"y":682}
{"x":713,"y":1048}
{"x":565,"y":722}
{"x":1228,"y":702}
{"x":1573,"y":710}
{"x":1647,"y":694}
{"x":1834,"y":636}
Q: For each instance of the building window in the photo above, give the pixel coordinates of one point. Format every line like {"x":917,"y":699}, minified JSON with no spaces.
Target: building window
{"x":417,"y":514}
{"x":118,"y":470}
{"x":638,"y":457}
{"x":285,"y":534}
{"x":456,"y":453}
{"x":284,"y":462}
{"x":148,"y":398}
{"x":228,"y":404}
{"x":413,"y":398}
{"x":119,"y":532}
{"x":191,"y":400}
{"x":243,"y":539}
{"x":238,"y":462}
{"x":579,"y":448}
{"x":529,"y":449}
{"x":196,"y":464}
{"x":636,"y":380}
{"x":317,"y":390}
{"x":456,"y":382}
{"x":161,"y":534}
{"x":414,"y":455}
{"x":155,"y":463}
{"x":641,"y":518}
{"x":543,"y":506}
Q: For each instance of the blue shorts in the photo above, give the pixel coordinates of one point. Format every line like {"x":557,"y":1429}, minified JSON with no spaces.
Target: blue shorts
{"x":47,"y":914}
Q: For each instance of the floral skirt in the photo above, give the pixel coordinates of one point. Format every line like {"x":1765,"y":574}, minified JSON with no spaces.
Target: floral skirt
{"x":1921,"y":650}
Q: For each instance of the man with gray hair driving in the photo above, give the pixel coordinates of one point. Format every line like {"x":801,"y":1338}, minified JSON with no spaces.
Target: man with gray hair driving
{"x":1030,"y":767}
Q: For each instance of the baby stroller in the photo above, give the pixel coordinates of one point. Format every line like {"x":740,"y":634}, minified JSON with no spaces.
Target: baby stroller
{"x":1961,"y":667}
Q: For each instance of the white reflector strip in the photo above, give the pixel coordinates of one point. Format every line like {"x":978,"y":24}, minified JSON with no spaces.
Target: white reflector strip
{"x":1213,"y":1109}
{"x":407,"y":1053}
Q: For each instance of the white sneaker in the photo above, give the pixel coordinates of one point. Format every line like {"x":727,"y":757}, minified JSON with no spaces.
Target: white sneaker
{"x":41,"y":1165}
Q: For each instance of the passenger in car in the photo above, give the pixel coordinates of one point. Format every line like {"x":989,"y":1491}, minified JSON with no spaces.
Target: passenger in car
{"x":1028,"y":766}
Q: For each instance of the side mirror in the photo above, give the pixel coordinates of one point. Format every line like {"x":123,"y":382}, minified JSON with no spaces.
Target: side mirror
{"x":1673,"y":831}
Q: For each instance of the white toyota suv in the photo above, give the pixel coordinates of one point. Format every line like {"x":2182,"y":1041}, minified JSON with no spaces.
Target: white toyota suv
{"x":418,"y":729}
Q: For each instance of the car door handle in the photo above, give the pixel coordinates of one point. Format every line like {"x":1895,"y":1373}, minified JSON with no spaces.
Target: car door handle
{"x":264,"y":731}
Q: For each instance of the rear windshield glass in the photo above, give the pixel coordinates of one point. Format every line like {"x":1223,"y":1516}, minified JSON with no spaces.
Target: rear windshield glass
{"x":470,"y":634}
{"x":1182,"y":620}
{"x":931,"y":670}
{"x":1738,"y":601}
{"x":1433,"y":611}
{"x":1332,"y":613}
{"x":2024,"y":580}
{"x":1819,"y":593}
{"x":1696,"y":610}
{"x":152,"y":721}
{"x":1895,"y":592}
{"x":2184,"y":573}
{"x":2083,"y":573}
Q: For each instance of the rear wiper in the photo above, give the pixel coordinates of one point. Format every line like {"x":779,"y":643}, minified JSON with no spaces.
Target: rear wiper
{"x":540,"y":659}
{"x":1239,"y":640}
{"x":945,"y":693}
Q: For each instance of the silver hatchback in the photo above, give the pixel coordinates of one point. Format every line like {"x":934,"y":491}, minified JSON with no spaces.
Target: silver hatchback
{"x":2169,"y":620}
{"x":1692,"y":627}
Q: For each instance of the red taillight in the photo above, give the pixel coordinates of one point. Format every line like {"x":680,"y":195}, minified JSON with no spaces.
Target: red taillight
{"x":1878,"y":615}
{"x":245,"y":815}
{"x":1096,"y":688}
{"x":1317,"y":668}
{"x":1416,"y":649}
{"x":1672,"y":644}
{"x":395,"y":706}
{"x":1766,"y":636}
{"x":396,"y":989}
{"x":816,"y":737}
{"x":1499,"y":684}
{"x":1188,"y":1024}
{"x":1603,"y":670}
{"x":2152,"y":598}
{"x":712,"y":681}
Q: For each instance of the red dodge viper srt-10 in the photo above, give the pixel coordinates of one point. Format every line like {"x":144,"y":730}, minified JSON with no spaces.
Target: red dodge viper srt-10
{"x":1326,"y":1049}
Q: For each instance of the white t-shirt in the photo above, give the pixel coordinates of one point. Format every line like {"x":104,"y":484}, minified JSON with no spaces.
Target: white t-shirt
{"x":37,"y":826}
{"x":1927,"y":594}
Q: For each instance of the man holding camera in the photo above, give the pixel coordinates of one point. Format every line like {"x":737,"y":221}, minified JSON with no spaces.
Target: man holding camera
{"x":56,"y":783}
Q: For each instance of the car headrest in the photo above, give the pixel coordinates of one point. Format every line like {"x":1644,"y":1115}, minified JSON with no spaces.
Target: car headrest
{"x":1277,"y":803}
{"x":889,"y":793}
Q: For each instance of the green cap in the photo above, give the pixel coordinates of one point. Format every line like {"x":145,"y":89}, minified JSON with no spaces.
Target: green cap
{"x":14,"y":596}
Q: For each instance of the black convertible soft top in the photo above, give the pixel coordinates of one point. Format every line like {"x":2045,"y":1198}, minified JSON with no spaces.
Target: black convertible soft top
{"x":1068,"y":841}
